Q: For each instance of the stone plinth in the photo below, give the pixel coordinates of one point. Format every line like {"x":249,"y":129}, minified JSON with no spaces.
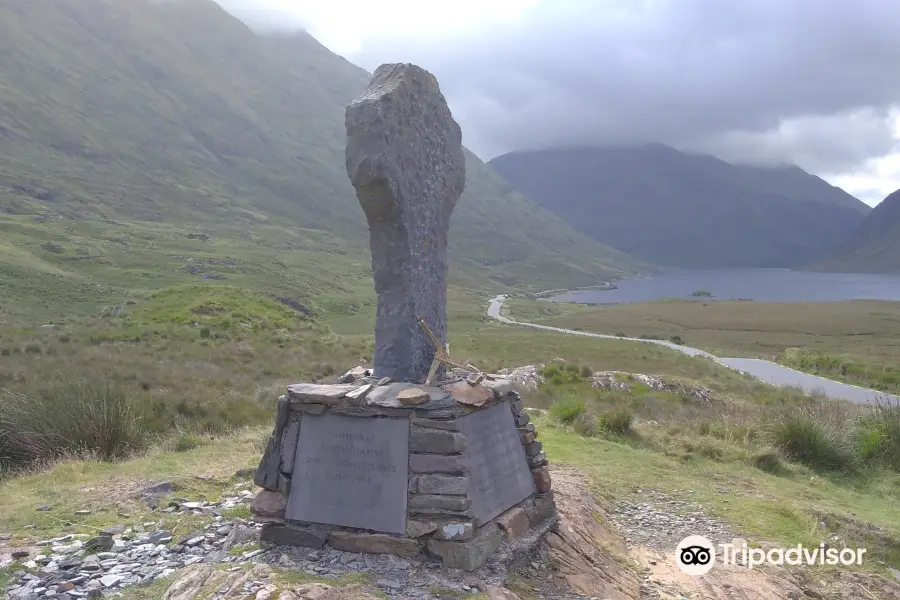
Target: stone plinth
{"x":403,"y":469}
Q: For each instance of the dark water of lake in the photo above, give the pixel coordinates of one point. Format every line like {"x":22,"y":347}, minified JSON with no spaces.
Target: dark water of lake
{"x":762,"y":285}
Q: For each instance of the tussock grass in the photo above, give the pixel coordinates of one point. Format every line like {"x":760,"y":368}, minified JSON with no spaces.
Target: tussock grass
{"x":803,"y":438}
{"x":87,"y":418}
{"x":767,"y":427}
{"x":568,"y":409}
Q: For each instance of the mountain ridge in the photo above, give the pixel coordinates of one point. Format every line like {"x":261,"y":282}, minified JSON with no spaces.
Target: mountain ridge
{"x":684,"y":210}
{"x":874,"y":246}
{"x":176,"y":114}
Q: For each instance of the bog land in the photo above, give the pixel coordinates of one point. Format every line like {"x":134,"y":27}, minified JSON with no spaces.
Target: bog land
{"x":183,"y":380}
{"x":855,"y":341}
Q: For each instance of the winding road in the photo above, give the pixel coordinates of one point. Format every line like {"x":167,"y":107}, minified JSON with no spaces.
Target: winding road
{"x":763,"y":370}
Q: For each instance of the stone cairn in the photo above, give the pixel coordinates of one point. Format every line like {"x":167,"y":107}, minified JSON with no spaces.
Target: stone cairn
{"x":379,"y":462}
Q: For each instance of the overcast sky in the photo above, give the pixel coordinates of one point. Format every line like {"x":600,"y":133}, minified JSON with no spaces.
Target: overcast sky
{"x":813,"y":82}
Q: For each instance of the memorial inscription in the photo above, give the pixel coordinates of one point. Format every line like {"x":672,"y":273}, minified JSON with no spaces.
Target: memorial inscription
{"x":497,"y":464}
{"x":351,"y":472}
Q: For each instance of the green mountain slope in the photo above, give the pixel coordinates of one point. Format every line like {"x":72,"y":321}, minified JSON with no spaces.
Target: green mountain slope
{"x":683,"y":210}
{"x":128,"y":125}
{"x":874,"y":246}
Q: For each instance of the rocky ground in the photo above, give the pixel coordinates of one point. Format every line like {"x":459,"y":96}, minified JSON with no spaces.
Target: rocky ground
{"x":227,"y":552}
{"x":654,"y":526}
{"x":625,"y":553}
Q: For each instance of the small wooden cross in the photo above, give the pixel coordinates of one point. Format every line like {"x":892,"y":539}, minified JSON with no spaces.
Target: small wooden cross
{"x":441,"y":354}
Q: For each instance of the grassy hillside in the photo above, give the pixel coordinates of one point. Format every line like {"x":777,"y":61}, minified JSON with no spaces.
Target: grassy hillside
{"x":139,"y":137}
{"x":875,"y":245}
{"x":684,"y":210}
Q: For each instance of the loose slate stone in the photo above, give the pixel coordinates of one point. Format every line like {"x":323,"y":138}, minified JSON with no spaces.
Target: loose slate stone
{"x":469,"y":395}
{"x":500,"y":386}
{"x":359,"y":392}
{"x":404,"y":157}
{"x":500,"y":477}
{"x":412,"y":396}
{"x":386,"y":397}
{"x":351,"y":472}
{"x":313,"y":393}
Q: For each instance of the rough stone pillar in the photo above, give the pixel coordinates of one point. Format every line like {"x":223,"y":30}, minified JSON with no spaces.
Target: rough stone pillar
{"x":405,"y":159}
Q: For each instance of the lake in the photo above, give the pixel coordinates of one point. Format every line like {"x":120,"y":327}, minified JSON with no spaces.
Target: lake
{"x":762,"y":285}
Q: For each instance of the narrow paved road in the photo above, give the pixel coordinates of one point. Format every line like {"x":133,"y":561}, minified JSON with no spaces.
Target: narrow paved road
{"x":763,"y":370}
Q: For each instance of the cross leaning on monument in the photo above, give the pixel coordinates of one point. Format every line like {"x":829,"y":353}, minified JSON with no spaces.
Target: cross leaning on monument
{"x":441,"y":354}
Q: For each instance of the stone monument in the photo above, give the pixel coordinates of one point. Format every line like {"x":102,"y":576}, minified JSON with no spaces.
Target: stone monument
{"x":380,"y":463}
{"x":405,"y":159}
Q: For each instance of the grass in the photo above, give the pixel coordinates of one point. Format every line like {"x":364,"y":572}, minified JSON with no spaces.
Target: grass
{"x":775,"y":463}
{"x":126,"y":187}
{"x":86,"y":418}
{"x":855,"y":341}
{"x":844,"y":368}
{"x":752,"y":425}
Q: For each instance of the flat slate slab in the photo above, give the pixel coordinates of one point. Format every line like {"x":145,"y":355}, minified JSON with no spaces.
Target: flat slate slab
{"x":496,"y":460}
{"x":352,"y":472}
{"x":385,"y":396}
{"x":314,"y":393}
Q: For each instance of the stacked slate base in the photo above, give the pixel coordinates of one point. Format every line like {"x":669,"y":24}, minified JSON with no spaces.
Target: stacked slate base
{"x":447,"y":473}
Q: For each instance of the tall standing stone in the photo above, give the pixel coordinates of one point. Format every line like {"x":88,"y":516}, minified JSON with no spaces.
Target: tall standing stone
{"x":405,"y":159}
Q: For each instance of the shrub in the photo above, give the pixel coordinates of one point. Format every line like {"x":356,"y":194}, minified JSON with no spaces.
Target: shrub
{"x":566,"y":410}
{"x":186,"y":440}
{"x":586,"y":425}
{"x":81,"y":418}
{"x":878,"y":437}
{"x":557,"y":375}
{"x":676,"y":339}
{"x":803,"y":438}
{"x":616,"y":421}
{"x":768,"y":462}
{"x":53,"y":247}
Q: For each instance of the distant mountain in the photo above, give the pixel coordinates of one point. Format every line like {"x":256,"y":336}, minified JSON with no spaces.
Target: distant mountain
{"x":686,"y":210}
{"x":169,"y":118}
{"x":874,"y":246}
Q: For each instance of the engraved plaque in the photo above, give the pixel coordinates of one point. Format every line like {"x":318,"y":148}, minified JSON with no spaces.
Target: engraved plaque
{"x":351,"y":471}
{"x":499,"y":470}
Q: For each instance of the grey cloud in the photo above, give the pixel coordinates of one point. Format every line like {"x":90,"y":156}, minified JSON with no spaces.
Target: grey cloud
{"x":806,"y":81}
{"x":809,"y":81}
{"x":265,"y":15}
